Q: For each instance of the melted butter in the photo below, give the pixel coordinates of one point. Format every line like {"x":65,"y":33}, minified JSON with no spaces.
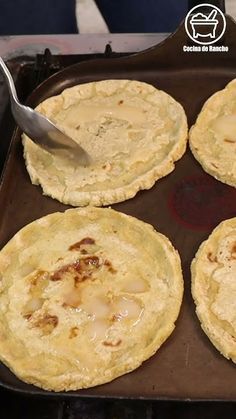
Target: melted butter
{"x":97,"y":329}
{"x":97,"y":307}
{"x":127,"y":308}
{"x":81,"y":114}
{"x":136,"y":286}
{"x":225,"y":126}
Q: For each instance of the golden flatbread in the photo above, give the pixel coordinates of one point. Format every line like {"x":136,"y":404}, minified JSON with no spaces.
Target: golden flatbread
{"x":85,"y":296}
{"x":213,"y":137}
{"x":132,"y":131}
{"x":214,"y":287}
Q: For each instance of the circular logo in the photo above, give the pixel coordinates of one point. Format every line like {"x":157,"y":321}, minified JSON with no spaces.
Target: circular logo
{"x":205,"y":24}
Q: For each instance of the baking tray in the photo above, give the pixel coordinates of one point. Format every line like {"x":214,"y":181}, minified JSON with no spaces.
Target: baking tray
{"x":185,"y":206}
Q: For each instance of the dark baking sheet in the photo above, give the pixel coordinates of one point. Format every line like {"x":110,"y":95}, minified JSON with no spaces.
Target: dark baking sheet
{"x":186,"y":205}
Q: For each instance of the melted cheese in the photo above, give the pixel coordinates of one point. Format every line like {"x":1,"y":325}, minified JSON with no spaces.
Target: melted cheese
{"x":127,"y":308}
{"x":82,"y":114}
{"x":136,"y":286}
{"x":225,"y":127}
{"x":97,"y":307}
{"x":97,"y":329}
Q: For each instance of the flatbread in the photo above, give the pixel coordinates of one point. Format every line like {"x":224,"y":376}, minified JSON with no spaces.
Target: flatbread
{"x":86,"y":296}
{"x":213,"y":137}
{"x":214,"y":287}
{"x":133,"y":132}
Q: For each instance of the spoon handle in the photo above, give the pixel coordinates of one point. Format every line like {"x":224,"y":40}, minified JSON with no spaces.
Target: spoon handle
{"x":10,"y":82}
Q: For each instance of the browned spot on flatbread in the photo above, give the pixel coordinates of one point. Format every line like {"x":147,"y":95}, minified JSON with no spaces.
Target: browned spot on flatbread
{"x":229,"y":141}
{"x":233,"y":251}
{"x":84,"y":252}
{"x":40,"y":275}
{"x":214,"y":165}
{"x":71,"y":267}
{"x":73,"y":332}
{"x":38,"y":283}
{"x":90,"y":261}
{"x":211,"y":258}
{"x":85,"y":241}
{"x":47,"y":323}
{"x":116,"y":317}
{"x":113,"y":345}
{"x":27,"y":316}
{"x":106,"y":166}
{"x":108,"y":264}
{"x":81,"y":278}
{"x":234,"y":248}
{"x":58,"y":274}
{"x":82,"y":268}
{"x":120,"y":102}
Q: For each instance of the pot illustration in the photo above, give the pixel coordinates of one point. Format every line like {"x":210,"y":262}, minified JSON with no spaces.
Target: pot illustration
{"x":204,"y":26}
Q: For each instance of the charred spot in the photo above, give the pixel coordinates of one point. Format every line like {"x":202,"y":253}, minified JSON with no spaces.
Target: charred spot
{"x":76,"y":266}
{"x":113,"y":345}
{"x":214,"y":165}
{"x":91,"y":261}
{"x":57,"y":276}
{"x":116,"y":317}
{"x":27,"y":316}
{"x":211,"y":258}
{"x":234,"y":248}
{"x":84,"y":266}
{"x":108,"y":264}
{"x":85,"y":241}
{"x":84,"y":252}
{"x":78,"y":127}
{"x":233,"y":251}
{"x":229,"y":141}
{"x":81,"y":278}
{"x":47,"y":323}
{"x":120,"y":102}
{"x":73,"y":332}
{"x":71,"y":304}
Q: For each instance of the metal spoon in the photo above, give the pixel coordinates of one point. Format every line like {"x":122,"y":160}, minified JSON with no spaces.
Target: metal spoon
{"x":40,"y":129}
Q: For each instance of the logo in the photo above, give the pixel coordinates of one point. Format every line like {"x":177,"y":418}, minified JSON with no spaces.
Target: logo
{"x":205,"y":25}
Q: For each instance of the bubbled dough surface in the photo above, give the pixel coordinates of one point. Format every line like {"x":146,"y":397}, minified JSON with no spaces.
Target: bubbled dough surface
{"x":213,"y":137}
{"x":133,"y":132}
{"x":214,"y":287}
{"x":71,"y":333}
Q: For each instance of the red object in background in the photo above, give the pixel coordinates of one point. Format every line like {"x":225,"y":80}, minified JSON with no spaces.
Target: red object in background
{"x":201,"y":202}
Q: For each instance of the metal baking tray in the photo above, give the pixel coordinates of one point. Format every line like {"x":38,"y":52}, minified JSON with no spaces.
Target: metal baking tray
{"x":185,"y":206}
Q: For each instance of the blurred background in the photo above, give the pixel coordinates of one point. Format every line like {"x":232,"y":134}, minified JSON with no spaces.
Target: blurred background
{"x":90,"y":19}
{"x":30,"y":17}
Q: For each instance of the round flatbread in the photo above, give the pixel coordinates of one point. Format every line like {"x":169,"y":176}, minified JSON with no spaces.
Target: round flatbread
{"x":214,"y":287}
{"x":86,"y":296}
{"x":213,"y":137}
{"x":133,"y":133}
